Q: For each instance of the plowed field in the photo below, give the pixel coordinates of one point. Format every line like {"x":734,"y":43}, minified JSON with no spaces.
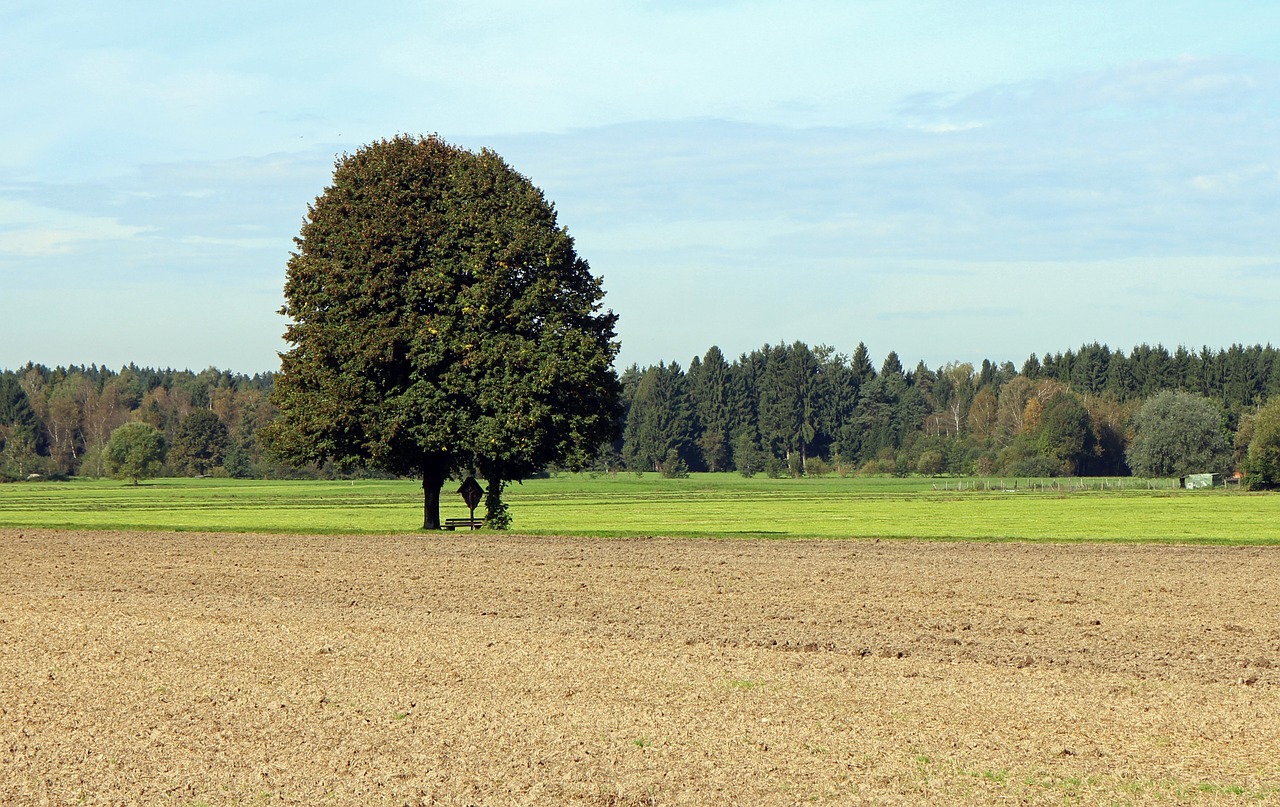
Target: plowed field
{"x":152,"y":668}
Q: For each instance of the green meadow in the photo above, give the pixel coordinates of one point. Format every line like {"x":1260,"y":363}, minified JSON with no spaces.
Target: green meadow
{"x":705,"y":505}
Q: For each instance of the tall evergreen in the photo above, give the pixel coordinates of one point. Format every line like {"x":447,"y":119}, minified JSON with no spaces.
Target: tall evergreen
{"x":21,"y":437}
{"x":659,"y":430}
{"x":709,"y":392}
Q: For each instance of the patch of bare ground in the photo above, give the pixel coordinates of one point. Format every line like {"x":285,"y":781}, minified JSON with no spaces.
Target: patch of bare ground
{"x":235,"y":669}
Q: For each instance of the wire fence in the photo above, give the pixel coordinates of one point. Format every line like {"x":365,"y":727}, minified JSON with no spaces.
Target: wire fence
{"x":1055,"y":484}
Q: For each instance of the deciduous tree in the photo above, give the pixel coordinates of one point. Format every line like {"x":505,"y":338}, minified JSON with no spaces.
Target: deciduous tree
{"x":440,"y":321}
{"x":135,"y":451}
{"x":1177,"y":433}
{"x":1262,"y":463}
{"x":1064,"y":434}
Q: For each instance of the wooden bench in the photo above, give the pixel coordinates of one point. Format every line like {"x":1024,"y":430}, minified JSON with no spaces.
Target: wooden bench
{"x":455,"y":523}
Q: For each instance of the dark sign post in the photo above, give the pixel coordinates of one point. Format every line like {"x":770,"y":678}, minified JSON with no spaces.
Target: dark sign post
{"x":471,"y":493}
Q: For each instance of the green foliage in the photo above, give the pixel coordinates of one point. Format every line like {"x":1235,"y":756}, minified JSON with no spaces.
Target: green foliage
{"x":1262,"y":464}
{"x":715,"y":450}
{"x":817,"y":467}
{"x":709,"y":390}
{"x":1069,"y":414}
{"x":747,"y":455}
{"x":1065,"y":436}
{"x":496,"y":515}
{"x":1178,"y":433}
{"x":237,"y":462}
{"x":990,"y":420}
{"x":74,"y":409}
{"x":659,"y":420}
{"x":20,"y":431}
{"x":789,"y":389}
{"x":673,"y":467}
{"x":201,"y":444}
{"x":135,"y":451}
{"x":1020,"y":458}
{"x":441,"y":321}
{"x":775,"y":467}
{"x":92,"y":463}
{"x":931,"y":463}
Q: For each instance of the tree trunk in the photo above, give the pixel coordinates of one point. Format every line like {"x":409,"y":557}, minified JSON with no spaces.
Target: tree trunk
{"x":432,"y":482}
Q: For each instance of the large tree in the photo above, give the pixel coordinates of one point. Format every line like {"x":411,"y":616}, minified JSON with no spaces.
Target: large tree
{"x":660,"y":422}
{"x":21,"y":432}
{"x":441,"y":322}
{"x":709,"y":392}
{"x":201,"y":444}
{"x":1178,"y":433}
{"x":1064,"y":434}
{"x":1263,"y":460}
{"x":135,"y":451}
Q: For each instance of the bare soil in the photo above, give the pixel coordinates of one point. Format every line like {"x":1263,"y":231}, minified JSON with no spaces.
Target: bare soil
{"x":210,"y":669}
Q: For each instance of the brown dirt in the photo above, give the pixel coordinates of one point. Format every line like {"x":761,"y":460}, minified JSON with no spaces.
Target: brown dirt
{"x":228,"y":669}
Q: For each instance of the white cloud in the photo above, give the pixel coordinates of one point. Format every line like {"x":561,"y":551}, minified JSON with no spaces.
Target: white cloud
{"x":1182,"y":85}
{"x":945,"y":128}
{"x":1251,"y":180}
{"x":32,"y":231}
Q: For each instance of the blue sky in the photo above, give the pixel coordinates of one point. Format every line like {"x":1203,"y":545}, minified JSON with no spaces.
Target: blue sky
{"x":953,"y":181}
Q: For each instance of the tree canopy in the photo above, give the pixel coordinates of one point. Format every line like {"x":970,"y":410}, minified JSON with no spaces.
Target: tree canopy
{"x":19,"y":429}
{"x":201,"y":444}
{"x":1178,"y":433}
{"x":1263,"y":460}
{"x":135,"y":451}
{"x":441,"y":322}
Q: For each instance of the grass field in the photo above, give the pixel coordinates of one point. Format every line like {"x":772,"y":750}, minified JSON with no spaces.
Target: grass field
{"x":721,"y":505}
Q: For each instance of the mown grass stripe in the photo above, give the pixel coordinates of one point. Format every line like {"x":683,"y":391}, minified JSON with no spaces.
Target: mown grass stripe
{"x":724,"y":505}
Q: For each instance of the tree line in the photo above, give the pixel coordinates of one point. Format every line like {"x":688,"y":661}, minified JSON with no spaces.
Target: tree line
{"x":57,"y":422}
{"x":779,"y":410}
{"x":792,"y":409}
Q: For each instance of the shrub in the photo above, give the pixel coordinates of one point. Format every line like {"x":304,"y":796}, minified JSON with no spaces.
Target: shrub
{"x":876,"y":468}
{"x":931,"y":463}
{"x":675,"y":467}
{"x":817,"y":467}
{"x":1036,"y":465}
